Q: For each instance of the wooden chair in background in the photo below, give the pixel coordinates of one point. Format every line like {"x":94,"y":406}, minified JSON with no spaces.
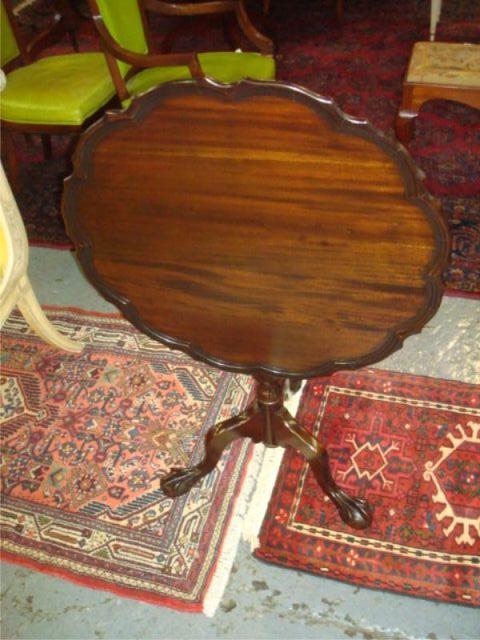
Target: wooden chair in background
{"x":53,"y":95}
{"x":16,"y":44}
{"x":136,"y":68}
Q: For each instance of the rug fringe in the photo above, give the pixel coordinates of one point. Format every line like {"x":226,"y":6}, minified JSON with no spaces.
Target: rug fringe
{"x":265,"y":483}
{"x":261,"y":497}
{"x":231,"y":541}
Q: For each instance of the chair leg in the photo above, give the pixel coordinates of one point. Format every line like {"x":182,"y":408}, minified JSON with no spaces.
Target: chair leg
{"x":33,"y":313}
{"x":69,"y":151}
{"x":73,"y":39}
{"x":404,"y":125}
{"x":340,"y":12}
{"x":10,"y":159}
{"x":231,"y":32}
{"x":46,"y":146}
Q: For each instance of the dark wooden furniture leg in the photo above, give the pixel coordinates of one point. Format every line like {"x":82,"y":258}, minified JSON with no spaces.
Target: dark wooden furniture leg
{"x":340,"y":12}
{"x":267,"y":420}
{"x":404,"y":125}
{"x":46,"y":146}
{"x":180,"y":481}
{"x":353,"y":511}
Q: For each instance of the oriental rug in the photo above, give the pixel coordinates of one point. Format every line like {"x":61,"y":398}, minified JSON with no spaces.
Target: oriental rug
{"x":85,"y":441}
{"x":411,"y":446}
{"x":361,"y":66}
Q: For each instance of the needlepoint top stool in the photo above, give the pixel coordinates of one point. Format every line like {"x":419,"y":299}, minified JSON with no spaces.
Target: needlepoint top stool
{"x":263,"y":231}
{"x":438,"y":71}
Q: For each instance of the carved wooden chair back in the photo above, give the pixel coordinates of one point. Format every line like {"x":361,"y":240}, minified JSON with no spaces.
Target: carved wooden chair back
{"x":129,"y":48}
{"x":16,"y":45}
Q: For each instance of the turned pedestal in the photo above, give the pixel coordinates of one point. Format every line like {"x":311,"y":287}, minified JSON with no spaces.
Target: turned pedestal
{"x":268,"y":421}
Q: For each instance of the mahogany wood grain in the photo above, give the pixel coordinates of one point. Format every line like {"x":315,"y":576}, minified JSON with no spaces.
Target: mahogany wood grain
{"x":261,"y":230}
{"x":256,"y":227}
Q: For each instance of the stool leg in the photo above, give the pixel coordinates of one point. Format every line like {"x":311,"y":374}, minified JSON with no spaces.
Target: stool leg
{"x":405,"y":120}
{"x":405,"y":125}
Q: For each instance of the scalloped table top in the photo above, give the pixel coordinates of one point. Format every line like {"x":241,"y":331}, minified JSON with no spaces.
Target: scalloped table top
{"x":256,"y":227}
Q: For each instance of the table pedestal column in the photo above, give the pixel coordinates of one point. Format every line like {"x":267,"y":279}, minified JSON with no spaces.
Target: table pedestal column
{"x":267,"y":420}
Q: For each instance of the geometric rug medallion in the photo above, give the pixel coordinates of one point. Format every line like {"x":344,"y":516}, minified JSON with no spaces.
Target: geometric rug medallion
{"x":411,"y":446}
{"x":85,"y":441}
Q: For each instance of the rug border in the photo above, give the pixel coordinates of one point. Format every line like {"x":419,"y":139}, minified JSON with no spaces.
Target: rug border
{"x":96,"y":584}
{"x":86,"y":312}
{"x":141,"y":594}
{"x":40,"y":244}
{"x":459,"y":293}
{"x":393,"y":592}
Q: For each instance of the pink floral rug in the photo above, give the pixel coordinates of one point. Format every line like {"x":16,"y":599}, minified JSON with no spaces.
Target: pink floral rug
{"x":85,"y":440}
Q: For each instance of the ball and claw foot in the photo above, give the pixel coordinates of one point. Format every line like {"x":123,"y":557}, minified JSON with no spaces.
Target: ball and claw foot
{"x":180,"y":481}
{"x":355,"y":512}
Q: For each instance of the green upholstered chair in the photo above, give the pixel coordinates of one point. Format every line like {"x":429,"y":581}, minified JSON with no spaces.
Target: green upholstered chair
{"x":56,"y":94}
{"x":9,"y":49}
{"x":135,"y":67}
{"x":15,"y":43}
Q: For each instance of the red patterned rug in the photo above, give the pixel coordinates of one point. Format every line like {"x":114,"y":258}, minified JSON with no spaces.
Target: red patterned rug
{"x":361,"y":67}
{"x":411,"y":446}
{"x":85,"y":441}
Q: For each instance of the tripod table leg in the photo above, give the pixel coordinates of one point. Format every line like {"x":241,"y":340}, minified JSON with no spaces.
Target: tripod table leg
{"x":180,"y":481}
{"x":355,"y":512}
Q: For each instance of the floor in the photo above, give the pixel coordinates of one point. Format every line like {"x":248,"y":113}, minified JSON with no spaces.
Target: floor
{"x":261,"y":601}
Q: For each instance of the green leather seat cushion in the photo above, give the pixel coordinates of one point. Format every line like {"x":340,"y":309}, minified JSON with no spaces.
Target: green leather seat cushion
{"x":62,"y":90}
{"x":226,"y":67}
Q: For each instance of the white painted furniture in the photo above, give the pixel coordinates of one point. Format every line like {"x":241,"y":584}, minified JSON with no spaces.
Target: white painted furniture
{"x":15,"y":287}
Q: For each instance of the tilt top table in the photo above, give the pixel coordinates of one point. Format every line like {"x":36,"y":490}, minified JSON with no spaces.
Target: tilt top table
{"x":263,"y":231}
